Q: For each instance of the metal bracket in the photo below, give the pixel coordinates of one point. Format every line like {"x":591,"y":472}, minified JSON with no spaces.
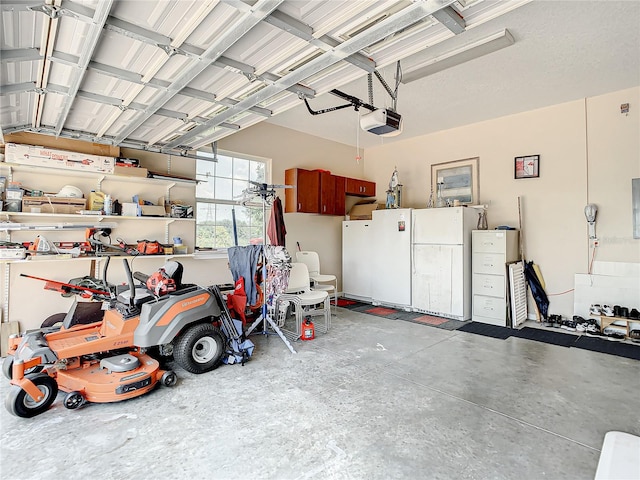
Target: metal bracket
{"x":170,"y":50}
{"x":51,"y":11}
{"x":354,"y":102}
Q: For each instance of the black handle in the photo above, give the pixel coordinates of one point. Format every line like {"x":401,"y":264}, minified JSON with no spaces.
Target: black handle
{"x":142,"y":277}
{"x":132,"y":288}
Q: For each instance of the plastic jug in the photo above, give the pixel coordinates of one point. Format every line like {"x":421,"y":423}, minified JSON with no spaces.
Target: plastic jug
{"x":96,"y":201}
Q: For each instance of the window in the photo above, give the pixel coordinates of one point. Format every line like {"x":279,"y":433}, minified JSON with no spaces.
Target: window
{"x":219,"y":194}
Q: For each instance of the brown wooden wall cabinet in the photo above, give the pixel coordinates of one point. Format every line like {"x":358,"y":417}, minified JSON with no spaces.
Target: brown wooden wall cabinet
{"x":360,"y":188}
{"x":305,"y":196}
{"x":321,"y":192}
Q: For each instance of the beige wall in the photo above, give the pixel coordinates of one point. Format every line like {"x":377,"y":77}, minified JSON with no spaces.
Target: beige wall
{"x":614,"y":159}
{"x":285,"y":147}
{"x":589,"y":153}
{"x":290,"y":149}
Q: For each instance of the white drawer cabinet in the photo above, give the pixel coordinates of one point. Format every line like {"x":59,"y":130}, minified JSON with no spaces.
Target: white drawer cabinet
{"x":491,"y":251}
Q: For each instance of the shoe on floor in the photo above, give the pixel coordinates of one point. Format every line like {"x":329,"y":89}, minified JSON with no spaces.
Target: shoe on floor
{"x":613,"y":333}
{"x":569,"y":325}
{"x":634,"y":335}
{"x":581,"y":323}
{"x":553,"y":320}
{"x":593,"y":330}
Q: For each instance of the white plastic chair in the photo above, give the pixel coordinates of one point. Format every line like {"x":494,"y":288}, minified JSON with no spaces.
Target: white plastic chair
{"x":306,"y":302}
{"x":321,"y":281}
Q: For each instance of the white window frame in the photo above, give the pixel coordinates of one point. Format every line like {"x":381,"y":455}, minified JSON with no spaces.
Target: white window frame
{"x":204,"y":156}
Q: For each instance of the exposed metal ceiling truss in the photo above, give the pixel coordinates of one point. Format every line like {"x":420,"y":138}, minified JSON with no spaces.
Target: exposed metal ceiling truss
{"x":175,"y":76}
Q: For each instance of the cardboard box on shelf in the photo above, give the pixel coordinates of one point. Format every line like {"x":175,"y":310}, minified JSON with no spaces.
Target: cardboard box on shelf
{"x":130,"y":171}
{"x":363,"y":210}
{"x":60,"y":205}
{"x":60,"y":143}
{"x":130,"y":209}
{"x":153,"y":210}
{"x":48,"y":157}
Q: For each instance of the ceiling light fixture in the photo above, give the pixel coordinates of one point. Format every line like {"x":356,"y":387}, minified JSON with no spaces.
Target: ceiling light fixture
{"x":457,"y":56}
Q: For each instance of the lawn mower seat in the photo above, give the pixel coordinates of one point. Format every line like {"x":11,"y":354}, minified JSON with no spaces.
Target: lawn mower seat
{"x":141,"y":295}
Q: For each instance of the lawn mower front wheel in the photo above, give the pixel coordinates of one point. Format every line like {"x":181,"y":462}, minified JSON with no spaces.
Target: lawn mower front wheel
{"x":199,"y":348}
{"x":20,"y":403}
{"x":7,"y":368}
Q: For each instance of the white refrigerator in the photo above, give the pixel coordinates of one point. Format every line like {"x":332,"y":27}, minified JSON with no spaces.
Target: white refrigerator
{"x":356,"y":259}
{"x":441,"y":267}
{"x":391,"y":258}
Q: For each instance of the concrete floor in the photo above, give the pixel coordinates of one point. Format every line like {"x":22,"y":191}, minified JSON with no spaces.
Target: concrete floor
{"x":375,"y":398}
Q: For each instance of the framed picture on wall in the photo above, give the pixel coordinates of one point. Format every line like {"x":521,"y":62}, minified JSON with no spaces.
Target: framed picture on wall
{"x":527,"y":167}
{"x":456,"y":182}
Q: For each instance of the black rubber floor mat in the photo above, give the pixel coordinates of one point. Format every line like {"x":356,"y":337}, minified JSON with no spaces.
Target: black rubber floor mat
{"x":369,"y":309}
{"x":487,"y":330}
{"x":603,"y":345}
{"x":547,"y":336}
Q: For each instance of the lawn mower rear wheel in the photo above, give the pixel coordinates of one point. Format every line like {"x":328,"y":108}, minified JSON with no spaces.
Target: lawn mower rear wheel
{"x":199,"y":348}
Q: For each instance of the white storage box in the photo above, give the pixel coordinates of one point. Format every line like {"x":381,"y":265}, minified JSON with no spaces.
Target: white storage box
{"x":47,"y":157}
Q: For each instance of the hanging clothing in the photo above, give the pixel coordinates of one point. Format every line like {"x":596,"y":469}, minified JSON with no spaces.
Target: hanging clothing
{"x":278,"y":270}
{"x":243,"y":262}
{"x":276,"y":229}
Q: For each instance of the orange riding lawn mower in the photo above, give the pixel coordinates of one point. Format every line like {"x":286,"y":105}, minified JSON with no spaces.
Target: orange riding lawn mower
{"x":119,"y":356}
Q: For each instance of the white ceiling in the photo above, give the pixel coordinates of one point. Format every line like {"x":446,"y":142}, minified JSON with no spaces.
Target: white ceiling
{"x":563,"y":51}
{"x":176,"y":75}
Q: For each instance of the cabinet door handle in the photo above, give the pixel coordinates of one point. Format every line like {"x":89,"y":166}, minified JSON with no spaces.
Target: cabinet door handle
{"x":299,"y":206}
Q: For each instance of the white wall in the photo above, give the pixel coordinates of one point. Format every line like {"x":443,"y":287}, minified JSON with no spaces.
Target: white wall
{"x":589,"y":153}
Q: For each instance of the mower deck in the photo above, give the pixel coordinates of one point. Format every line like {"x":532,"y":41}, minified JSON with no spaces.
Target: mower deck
{"x":98,"y":382}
